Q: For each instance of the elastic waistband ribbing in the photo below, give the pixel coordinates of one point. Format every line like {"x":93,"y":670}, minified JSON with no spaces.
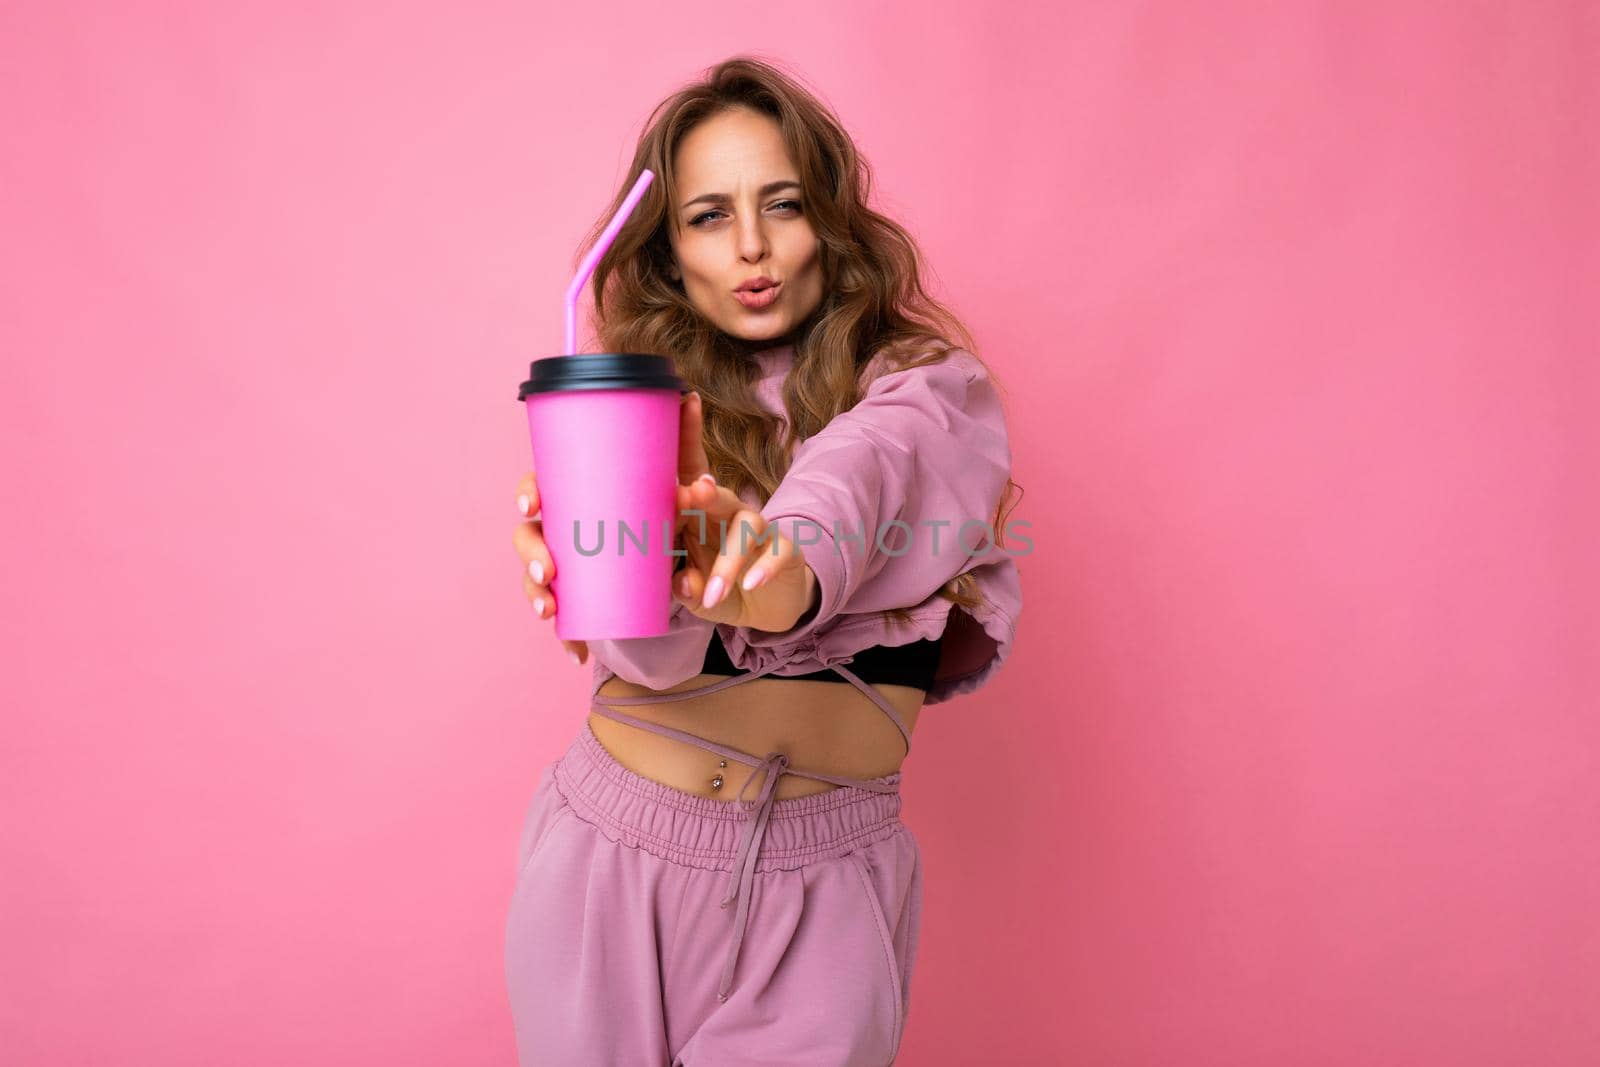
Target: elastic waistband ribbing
{"x":697,"y":831}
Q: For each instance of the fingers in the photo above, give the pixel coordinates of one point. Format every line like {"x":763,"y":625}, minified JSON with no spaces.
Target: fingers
{"x":544,"y":604}
{"x":688,"y":586}
{"x":528,"y":539}
{"x":527,"y":498}
{"x":748,"y":545}
{"x":745,"y":551}
{"x":699,"y":532}
{"x":699,"y":492}
{"x":538,"y":567}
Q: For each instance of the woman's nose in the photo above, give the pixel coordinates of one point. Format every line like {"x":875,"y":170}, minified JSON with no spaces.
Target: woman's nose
{"x":752,"y":240}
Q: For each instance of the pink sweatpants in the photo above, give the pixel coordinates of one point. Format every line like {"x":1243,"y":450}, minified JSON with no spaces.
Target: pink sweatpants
{"x":616,"y":934}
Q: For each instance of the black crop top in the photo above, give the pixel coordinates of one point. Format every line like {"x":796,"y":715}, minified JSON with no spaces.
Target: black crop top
{"x":911,"y":664}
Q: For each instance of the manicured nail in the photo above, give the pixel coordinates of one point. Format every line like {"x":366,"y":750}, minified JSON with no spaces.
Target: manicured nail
{"x":538,"y":606}
{"x":709,"y":477}
{"x":754,"y":578}
{"x":573,"y":656}
{"x":522,"y":503}
{"x":683,"y":585}
{"x":713,"y":593}
{"x":536,"y":569}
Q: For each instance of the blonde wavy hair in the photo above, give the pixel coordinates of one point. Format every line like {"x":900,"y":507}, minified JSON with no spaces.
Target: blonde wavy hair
{"x":874,"y":302}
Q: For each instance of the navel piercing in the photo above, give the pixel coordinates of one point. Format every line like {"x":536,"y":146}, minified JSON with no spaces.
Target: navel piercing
{"x":716,"y":783}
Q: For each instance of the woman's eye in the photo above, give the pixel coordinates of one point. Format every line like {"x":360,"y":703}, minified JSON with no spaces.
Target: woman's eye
{"x":698,"y":219}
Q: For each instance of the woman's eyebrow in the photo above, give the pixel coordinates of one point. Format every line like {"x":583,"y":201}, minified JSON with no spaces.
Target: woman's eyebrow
{"x":723,"y":198}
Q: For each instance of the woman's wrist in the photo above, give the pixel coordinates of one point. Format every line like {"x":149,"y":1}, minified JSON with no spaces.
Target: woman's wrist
{"x":811,"y":598}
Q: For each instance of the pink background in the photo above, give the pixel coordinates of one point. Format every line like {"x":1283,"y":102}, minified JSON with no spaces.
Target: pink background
{"x":1295,"y":761}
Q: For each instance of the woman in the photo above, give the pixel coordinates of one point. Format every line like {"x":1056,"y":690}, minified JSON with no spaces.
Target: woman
{"x":663,"y":914}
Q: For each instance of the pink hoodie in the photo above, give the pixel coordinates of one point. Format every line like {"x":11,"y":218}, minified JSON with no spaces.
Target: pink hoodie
{"x":925,"y":446}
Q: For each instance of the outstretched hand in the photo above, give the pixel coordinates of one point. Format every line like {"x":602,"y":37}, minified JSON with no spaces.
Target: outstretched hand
{"x":730,"y":546}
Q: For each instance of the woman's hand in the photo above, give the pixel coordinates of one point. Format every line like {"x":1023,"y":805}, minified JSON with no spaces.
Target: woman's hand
{"x":537,"y":566}
{"x":732,"y":546}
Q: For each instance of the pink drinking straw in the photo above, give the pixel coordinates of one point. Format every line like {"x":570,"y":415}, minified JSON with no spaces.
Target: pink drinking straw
{"x":586,"y":268}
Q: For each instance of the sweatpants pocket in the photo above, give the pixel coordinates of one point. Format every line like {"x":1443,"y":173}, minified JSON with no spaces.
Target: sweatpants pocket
{"x":886,"y":931}
{"x":545,"y":810}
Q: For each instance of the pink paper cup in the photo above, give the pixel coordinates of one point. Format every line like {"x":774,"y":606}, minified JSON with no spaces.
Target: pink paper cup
{"x":604,"y":430}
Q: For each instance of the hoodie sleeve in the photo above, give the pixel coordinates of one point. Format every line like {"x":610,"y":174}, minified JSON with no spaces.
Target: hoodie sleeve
{"x":659,"y":662}
{"x":875,"y":501}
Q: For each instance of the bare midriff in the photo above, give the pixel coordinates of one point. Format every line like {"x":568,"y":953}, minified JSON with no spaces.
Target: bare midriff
{"x":831,"y":728}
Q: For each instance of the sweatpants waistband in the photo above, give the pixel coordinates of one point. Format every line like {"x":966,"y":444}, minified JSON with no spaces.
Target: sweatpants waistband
{"x":696,"y":831}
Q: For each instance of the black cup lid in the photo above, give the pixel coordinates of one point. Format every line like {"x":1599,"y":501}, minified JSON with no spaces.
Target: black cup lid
{"x":601,"y":370}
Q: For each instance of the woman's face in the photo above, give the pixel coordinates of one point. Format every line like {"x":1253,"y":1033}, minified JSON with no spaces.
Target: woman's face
{"x":739,"y":217}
